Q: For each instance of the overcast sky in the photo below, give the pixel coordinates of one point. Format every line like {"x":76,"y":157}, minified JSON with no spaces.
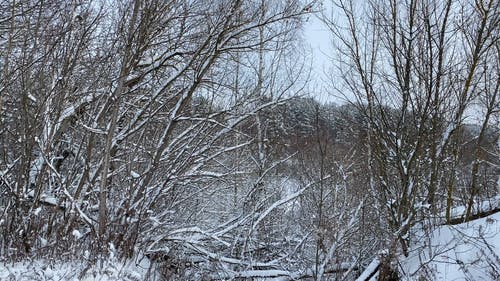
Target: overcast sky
{"x":318,"y":41}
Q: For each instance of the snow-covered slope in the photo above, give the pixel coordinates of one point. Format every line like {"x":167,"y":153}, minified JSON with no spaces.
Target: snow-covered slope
{"x":468,"y":251}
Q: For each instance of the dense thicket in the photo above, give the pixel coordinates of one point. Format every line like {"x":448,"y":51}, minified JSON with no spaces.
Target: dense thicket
{"x":179,"y":131}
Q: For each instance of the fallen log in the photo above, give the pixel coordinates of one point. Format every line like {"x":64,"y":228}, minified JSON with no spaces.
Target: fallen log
{"x":480,"y":215}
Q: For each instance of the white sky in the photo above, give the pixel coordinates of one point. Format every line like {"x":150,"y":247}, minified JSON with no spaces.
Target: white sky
{"x":319,"y":41}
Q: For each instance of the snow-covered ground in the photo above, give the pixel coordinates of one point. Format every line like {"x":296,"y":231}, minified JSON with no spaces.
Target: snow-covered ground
{"x":110,"y":270}
{"x":468,"y":251}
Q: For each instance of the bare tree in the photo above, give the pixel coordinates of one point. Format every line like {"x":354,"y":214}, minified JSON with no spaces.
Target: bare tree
{"x":118,"y":123}
{"x":414,"y":69}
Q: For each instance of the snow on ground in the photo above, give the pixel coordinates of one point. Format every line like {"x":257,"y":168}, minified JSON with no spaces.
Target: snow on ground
{"x":45,"y":270}
{"x":468,"y":251}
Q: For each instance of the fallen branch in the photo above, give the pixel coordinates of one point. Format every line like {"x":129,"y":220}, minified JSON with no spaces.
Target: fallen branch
{"x":480,"y":215}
